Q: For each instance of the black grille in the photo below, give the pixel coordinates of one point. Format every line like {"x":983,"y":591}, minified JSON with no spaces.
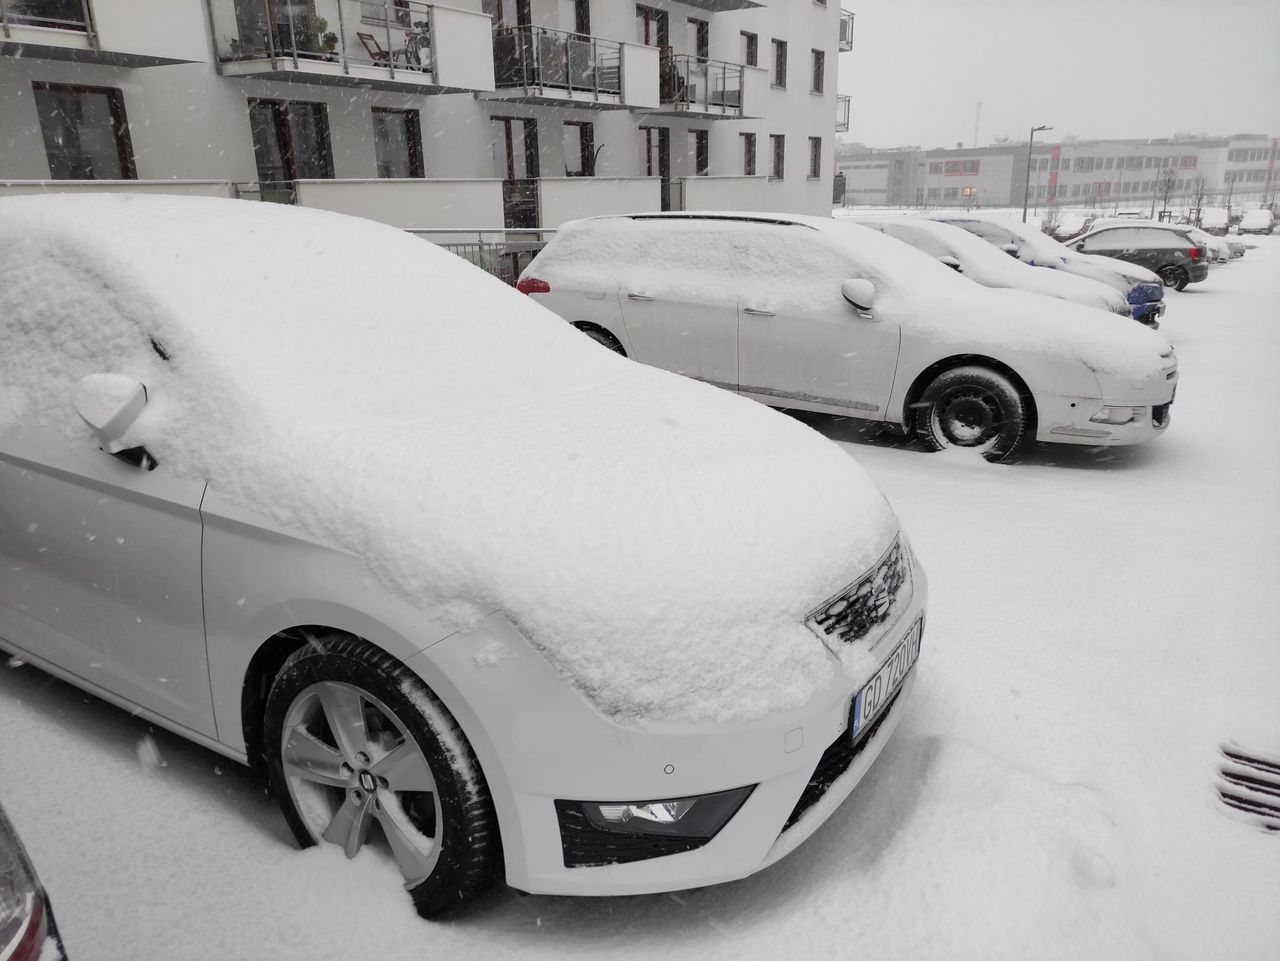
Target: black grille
{"x":871,"y":600}
{"x":835,"y":760}
{"x":584,"y":845}
{"x":1160,"y":414}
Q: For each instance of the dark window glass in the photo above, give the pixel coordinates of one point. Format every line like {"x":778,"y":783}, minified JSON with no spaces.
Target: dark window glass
{"x":701,"y":31}
{"x":701,"y":152}
{"x":86,"y":135}
{"x":815,"y":157}
{"x":819,"y":71}
{"x":779,"y":63}
{"x":290,"y":140}
{"x":397,"y":140}
{"x":748,"y":154}
{"x":579,"y":149}
{"x":750,"y":49}
{"x":777,"y":143}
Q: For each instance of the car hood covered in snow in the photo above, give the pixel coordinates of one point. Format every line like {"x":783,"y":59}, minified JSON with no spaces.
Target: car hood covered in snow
{"x":660,"y":541}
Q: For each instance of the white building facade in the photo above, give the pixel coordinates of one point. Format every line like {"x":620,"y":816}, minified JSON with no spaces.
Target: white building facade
{"x":483,"y":116}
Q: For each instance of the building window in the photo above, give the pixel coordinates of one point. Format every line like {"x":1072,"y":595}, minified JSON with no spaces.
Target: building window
{"x":951,"y":193}
{"x":86,"y":135}
{"x":651,"y":26}
{"x":779,"y":63}
{"x":750,"y":49}
{"x":579,"y":140}
{"x":397,"y":141}
{"x":933,"y":193}
{"x":290,"y":141}
{"x":777,"y":146}
{"x":699,"y":150}
{"x":935,"y":167}
{"x":819,"y":71}
{"x":815,"y":158}
{"x":748,"y":154}
{"x":700,"y":35}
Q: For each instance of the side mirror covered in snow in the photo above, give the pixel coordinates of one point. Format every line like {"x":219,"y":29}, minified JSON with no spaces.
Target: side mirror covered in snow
{"x":951,"y":262}
{"x":860,"y":293}
{"x":1010,"y":249}
{"x":109,"y":403}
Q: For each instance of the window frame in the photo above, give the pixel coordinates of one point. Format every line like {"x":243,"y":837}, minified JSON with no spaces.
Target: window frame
{"x":119,"y":124}
{"x":748,"y":153}
{"x":818,"y":71}
{"x":778,"y":73}
{"x":777,"y":156}
{"x":815,"y":158}
{"x":751,"y":55}
{"x":413,"y":139}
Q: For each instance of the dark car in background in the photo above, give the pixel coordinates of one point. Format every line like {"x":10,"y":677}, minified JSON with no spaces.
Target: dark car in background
{"x":1167,"y":250}
{"x":27,"y":929}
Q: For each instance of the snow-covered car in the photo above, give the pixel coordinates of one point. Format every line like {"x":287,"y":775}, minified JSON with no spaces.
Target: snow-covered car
{"x":983,"y":264}
{"x":1214,"y":220}
{"x":1257,"y":222}
{"x":1220,"y":249}
{"x":453,"y":577}
{"x":1165,"y":249}
{"x":1143,"y":289}
{"x":830,"y":316}
{"x":28,"y":931}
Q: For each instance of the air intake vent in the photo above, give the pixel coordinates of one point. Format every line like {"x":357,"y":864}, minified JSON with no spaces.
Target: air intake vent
{"x":874,"y":599}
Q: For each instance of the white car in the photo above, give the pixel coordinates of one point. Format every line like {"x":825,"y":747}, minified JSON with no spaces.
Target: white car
{"x":830,"y":316}
{"x":984,"y":264}
{"x":1257,"y":222}
{"x":452,"y":576}
{"x":1144,"y":290}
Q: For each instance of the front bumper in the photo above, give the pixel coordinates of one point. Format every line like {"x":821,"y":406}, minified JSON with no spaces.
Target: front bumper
{"x":1068,"y":420}
{"x":1149,"y":312}
{"x":539,"y":741}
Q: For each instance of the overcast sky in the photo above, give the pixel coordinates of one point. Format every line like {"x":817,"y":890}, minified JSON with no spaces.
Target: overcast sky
{"x":1095,"y":68}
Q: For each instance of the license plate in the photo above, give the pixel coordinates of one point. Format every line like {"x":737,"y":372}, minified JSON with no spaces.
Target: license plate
{"x":879,"y":690}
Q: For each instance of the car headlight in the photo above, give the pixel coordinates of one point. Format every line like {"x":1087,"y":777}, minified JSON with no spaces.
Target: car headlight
{"x":1118,"y":415}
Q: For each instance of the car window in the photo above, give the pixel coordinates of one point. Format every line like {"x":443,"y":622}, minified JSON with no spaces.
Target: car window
{"x":988,"y":231}
{"x":920,"y":239}
{"x":1115,"y":238}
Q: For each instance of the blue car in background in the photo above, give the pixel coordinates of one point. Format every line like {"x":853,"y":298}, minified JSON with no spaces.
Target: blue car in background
{"x":1142,"y":288}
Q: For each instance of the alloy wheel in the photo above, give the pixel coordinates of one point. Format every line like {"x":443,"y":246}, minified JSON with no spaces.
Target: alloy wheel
{"x":351,"y":766}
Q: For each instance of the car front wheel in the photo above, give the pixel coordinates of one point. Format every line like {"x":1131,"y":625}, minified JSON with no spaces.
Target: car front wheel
{"x":973,"y":408}
{"x":359,"y":751}
{"x":1175,"y":277}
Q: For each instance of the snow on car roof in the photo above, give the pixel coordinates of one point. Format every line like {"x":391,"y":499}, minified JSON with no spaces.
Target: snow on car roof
{"x":773,"y":265}
{"x":659,"y":540}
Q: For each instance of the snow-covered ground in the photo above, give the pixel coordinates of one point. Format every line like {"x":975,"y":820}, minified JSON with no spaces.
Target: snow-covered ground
{"x":1101,"y":622}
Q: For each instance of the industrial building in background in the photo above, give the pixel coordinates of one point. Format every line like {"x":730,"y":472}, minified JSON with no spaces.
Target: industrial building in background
{"x":1144,"y":175}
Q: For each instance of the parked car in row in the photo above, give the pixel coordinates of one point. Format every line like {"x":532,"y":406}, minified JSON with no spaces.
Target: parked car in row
{"x":28,"y":931}
{"x":1166,"y":250}
{"x":983,"y":264}
{"x":831,"y":316}
{"x":1220,"y":248}
{"x":463,"y":586}
{"x":1215,"y":220}
{"x":1143,"y":289}
{"x":1257,"y":222}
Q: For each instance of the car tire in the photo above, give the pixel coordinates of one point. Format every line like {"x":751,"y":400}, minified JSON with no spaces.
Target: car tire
{"x":602,"y":337}
{"x":973,"y":408}
{"x":1175,"y":277}
{"x":345,"y":724}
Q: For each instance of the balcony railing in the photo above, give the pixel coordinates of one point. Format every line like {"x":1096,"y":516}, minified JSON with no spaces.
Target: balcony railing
{"x":51,"y":14}
{"x":505,"y":258}
{"x":846,"y":30}
{"x":530,"y":56}
{"x":842,"y":112}
{"x":393,"y":35}
{"x":696,"y":84}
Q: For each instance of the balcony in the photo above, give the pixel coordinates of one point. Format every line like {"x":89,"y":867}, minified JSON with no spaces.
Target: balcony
{"x":710,"y":89}
{"x":137,"y":33}
{"x":540,"y":65}
{"x":843,"y":101}
{"x":382,"y":44}
{"x":846,"y":31}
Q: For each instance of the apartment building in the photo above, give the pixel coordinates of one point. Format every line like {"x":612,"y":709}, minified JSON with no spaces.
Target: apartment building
{"x":481,"y":116}
{"x":1237,"y":171}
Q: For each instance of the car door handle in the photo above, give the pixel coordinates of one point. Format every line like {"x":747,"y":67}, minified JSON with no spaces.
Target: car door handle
{"x":757,"y":312}
{"x":638,"y":297}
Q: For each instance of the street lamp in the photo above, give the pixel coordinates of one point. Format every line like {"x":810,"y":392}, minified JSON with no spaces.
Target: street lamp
{"x":1026,"y":190}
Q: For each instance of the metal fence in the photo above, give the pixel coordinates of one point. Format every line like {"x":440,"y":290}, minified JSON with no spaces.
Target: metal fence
{"x":698,"y":84}
{"x":504,"y":258}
